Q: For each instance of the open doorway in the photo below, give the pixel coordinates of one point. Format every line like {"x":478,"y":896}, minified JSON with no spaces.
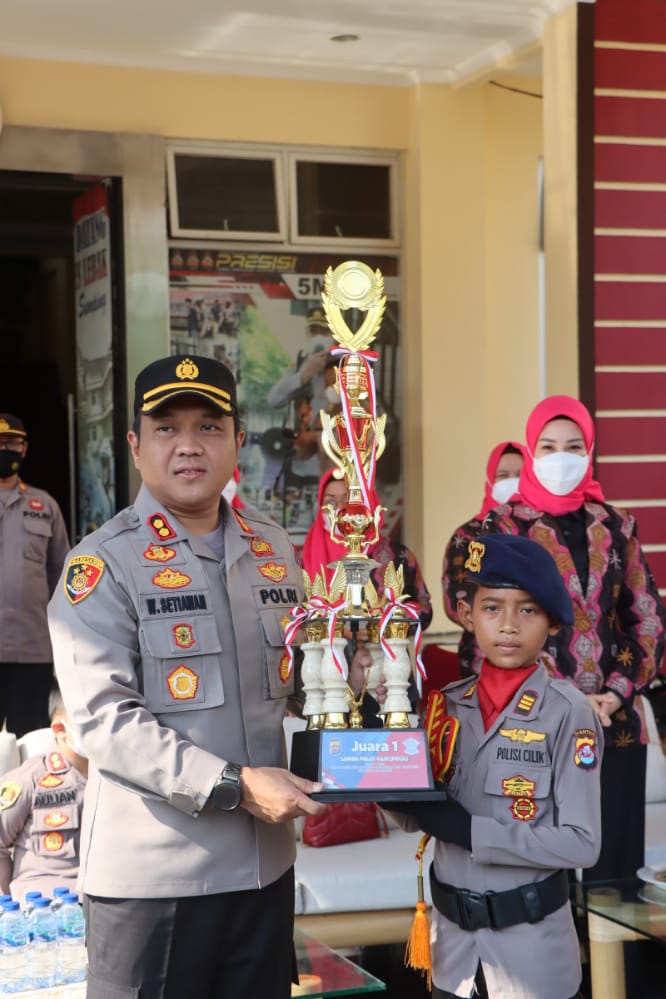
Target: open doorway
{"x":37,"y":322}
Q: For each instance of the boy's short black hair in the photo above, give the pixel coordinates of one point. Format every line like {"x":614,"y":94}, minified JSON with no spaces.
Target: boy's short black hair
{"x":56,"y":703}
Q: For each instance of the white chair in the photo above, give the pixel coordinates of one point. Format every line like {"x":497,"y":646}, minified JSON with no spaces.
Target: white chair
{"x":34,"y":743}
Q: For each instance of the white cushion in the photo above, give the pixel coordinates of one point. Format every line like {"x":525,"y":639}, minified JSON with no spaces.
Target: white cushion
{"x":36,"y":742}
{"x":10,"y":757}
{"x":372,"y":874}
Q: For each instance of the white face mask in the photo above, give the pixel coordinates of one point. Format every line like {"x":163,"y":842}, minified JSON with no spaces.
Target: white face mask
{"x":332,"y":395}
{"x":318,"y":342}
{"x":561,"y":472}
{"x":503,"y":489}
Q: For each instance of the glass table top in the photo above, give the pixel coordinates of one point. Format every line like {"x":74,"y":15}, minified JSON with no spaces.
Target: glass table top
{"x":629,"y":902}
{"x":324,"y":972}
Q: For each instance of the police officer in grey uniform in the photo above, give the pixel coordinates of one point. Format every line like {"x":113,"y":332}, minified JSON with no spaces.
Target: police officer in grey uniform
{"x":33,"y":548}
{"x":168,"y":642}
{"x":523,"y":786}
{"x":40,"y":814}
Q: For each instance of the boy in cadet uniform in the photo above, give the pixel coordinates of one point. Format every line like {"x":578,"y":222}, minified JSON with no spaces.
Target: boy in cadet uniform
{"x":523,"y":791}
{"x":40,"y":813}
{"x":169,"y":648}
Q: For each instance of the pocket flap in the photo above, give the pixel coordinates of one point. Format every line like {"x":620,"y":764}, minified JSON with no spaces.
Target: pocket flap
{"x":186,"y":636}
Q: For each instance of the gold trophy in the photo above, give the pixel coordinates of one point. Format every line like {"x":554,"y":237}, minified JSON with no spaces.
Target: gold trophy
{"x":381,"y":764}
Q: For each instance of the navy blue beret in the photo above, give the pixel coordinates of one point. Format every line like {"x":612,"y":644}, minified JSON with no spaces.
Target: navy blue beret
{"x":509,"y":560}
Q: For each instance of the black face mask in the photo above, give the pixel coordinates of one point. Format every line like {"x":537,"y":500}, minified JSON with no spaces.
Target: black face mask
{"x":10,"y":463}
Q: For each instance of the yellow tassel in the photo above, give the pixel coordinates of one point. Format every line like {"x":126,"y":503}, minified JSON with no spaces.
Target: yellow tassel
{"x":417,"y":951}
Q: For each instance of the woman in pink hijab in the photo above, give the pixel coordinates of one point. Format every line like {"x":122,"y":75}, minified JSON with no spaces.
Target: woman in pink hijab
{"x":616,"y":643}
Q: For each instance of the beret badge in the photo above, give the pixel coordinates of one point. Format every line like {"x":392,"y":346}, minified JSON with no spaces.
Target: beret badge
{"x":476,"y":552}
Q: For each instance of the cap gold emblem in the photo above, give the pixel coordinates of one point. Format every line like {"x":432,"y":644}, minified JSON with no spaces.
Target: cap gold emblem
{"x":477,"y":550}
{"x":187,"y":370}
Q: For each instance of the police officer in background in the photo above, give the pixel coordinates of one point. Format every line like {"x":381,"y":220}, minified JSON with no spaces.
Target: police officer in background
{"x":33,"y":548}
{"x":169,"y":652}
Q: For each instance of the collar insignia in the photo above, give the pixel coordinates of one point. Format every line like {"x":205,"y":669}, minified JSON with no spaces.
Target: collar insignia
{"x":161,"y":527}
{"x":241,"y":523}
{"x":526,"y":702}
{"x":470,"y":690}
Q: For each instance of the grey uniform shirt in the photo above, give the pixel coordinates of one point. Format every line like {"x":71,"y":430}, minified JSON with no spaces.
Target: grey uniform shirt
{"x":531,"y":784}
{"x":40,"y":825}
{"x":172,"y":663}
{"x":33,"y":548}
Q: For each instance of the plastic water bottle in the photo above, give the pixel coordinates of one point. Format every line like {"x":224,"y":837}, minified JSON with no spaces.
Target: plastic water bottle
{"x":72,"y":940}
{"x":29,"y":900}
{"x":13,"y":949}
{"x":43,"y":959}
{"x":58,"y":894}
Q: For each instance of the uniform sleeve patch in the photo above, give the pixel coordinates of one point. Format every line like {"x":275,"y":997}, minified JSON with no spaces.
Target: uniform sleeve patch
{"x":586,"y":753}
{"x":82,"y":576}
{"x":10,"y":792}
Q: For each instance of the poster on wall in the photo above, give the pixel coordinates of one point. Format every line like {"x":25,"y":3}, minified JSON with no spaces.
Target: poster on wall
{"x":94,"y":362}
{"x":261,"y":314}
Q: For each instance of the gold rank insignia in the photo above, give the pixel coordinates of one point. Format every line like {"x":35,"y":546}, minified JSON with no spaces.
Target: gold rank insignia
{"x":50,"y":780}
{"x":183,"y":635}
{"x":10,"y":792}
{"x":518,"y":787}
{"x":57,"y":763}
{"x":169,"y":579}
{"x":182,"y":683}
{"x":260,"y":548}
{"x":283,"y":668}
{"x":275,"y":571}
{"x":477,"y":550}
{"x":470,"y":690}
{"x":53,"y":841}
{"x":586,"y":754}
{"x":526,"y":703}
{"x":522,"y":735}
{"x":161,"y":527}
{"x":56,"y":819}
{"x":523,"y":809}
{"x":82,"y":576}
{"x":158,"y":553}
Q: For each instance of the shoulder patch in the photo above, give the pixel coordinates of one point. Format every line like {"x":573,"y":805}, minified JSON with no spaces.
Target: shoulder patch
{"x":586,"y":754}
{"x":10,"y":792}
{"x":82,"y":576}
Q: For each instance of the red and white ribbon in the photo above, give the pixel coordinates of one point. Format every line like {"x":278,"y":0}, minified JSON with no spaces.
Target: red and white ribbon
{"x":331,"y":610}
{"x":411,"y":609}
{"x":299,"y":616}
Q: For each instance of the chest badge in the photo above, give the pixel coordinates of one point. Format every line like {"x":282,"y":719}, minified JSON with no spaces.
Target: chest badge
{"x":35,"y":504}
{"x":50,"y":780}
{"x":284,"y":668}
{"x":10,"y":792}
{"x":260,"y":548}
{"x":56,"y":819}
{"x":523,"y":809}
{"x":82,"y":576}
{"x":183,"y":683}
{"x":57,"y":763}
{"x":522,"y":735}
{"x":158,"y":553}
{"x":161,"y":527}
{"x":183,"y":635}
{"x":168,"y":579}
{"x":518,"y":787}
{"x":53,"y":841}
{"x":274,"y":571}
{"x":586,"y":754}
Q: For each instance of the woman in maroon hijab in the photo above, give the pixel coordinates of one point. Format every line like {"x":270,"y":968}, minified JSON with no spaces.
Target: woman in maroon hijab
{"x":616,"y":643}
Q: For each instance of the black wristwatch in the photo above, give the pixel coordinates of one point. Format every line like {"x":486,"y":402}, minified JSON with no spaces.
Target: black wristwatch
{"x":228,"y":790}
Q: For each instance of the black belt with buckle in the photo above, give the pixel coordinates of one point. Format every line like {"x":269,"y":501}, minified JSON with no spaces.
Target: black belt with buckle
{"x":495,"y":910}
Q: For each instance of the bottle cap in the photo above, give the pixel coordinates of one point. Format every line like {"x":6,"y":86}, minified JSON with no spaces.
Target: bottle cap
{"x":12,"y":906}
{"x":60,"y":890}
{"x":42,"y":903}
{"x":33,"y":894}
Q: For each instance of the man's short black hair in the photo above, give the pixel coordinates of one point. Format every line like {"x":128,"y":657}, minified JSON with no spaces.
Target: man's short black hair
{"x":56,"y":703}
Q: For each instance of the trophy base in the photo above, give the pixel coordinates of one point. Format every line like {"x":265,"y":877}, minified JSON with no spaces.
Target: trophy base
{"x":377,"y":764}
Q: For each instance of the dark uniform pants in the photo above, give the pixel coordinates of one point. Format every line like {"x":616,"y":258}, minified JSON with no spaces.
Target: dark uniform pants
{"x":236,"y":944}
